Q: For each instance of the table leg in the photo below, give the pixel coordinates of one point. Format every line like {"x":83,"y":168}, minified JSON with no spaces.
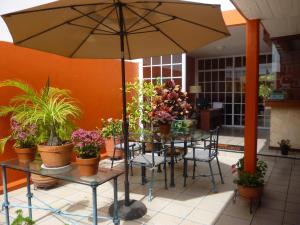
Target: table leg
{"x":184,"y":153}
{"x":172,"y":184}
{"x":143,"y":168}
{"x":29,"y":195}
{"x":95,"y":216}
{"x":116,"y":219}
{"x":5,"y":203}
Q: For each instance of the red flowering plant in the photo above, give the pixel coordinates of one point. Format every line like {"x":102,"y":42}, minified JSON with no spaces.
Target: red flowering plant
{"x":170,"y":103}
{"x":87,"y":144}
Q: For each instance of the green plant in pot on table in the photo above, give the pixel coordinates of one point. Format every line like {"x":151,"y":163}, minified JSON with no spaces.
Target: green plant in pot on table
{"x":111,"y":130}
{"x":250,"y":185}
{"x":87,"y":145}
{"x":52,"y":110}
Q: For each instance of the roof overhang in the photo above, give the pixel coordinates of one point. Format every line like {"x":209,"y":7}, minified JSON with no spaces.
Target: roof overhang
{"x":280,"y":18}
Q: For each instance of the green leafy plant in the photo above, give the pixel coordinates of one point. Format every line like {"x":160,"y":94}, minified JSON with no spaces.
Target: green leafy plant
{"x":266,"y":84}
{"x":139,"y":107}
{"x":180,"y":126}
{"x":21,"y":220}
{"x":51,"y":109}
{"x":111,"y":127}
{"x":247,"y":179}
{"x":285,"y":143}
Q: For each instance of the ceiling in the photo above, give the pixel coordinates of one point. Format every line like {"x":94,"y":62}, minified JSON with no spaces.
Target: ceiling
{"x":279,"y":17}
{"x":232,"y":45}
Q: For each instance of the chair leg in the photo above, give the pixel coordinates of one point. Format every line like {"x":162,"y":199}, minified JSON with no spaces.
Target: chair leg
{"x":212,"y":177}
{"x":150,"y":194}
{"x":185,"y":165}
{"x":194,"y":169}
{"x":220,"y":172}
{"x":131,"y":170}
{"x":165,"y":171}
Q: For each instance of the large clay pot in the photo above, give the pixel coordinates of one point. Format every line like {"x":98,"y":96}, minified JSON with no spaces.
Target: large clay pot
{"x":25,"y":155}
{"x":40,"y":181}
{"x":109,"y":146}
{"x":250,"y":192}
{"x":165,"y":129}
{"x":56,"y":156}
{"x":88,"y":167}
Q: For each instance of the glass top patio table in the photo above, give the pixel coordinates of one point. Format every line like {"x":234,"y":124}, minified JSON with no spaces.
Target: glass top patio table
{"x":150,"y":136}
{"x":68,"y":173}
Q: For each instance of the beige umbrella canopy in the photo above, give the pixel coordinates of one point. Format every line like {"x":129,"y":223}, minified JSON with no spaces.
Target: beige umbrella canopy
{"x":126,"y":29}
{"x":90,"y":28}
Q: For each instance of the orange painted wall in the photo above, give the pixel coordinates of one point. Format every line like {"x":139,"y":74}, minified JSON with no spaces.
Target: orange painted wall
{"x":95,"y":83}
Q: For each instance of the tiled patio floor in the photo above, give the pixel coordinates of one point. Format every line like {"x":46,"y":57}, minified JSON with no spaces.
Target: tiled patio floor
{"x":195,"y":204}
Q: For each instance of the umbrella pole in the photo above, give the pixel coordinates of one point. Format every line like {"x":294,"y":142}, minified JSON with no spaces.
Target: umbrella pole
{"x":127,"y":209}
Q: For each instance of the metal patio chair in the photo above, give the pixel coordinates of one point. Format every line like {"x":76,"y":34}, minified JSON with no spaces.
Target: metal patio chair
{"x":204,"y":153}
{"x":152,"y":161}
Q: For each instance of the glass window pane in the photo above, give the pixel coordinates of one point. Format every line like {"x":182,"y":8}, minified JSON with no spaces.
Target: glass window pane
{"x":177,"y":58}
{"x":228,"y":120}
{"x":208,"y":87}
{"x":222,"y":86}
{"x":215,"y":97}
{"x":244,"y":61}
{"x":228,"y":108}
{"x":238,"y":61}
{"x":147,"y":72}
{"x":237,"y":86}
{"x":166,"y":71}
{"x":207,"y":64}
{"x":201,"y":64}
{"x":156,"y":60}
{"x":228,"y":98}
{"x":228,"y":76}
{"x":237,"y":109}
{"x":237,"y":120}
{"x":207,"y":76}
{"x":147,"y":61}
{"x":262,"y":59}
{"x":215,"y":64}
{"x":228,"y":86}
{"x":222,"y":97}
{"x":222,"y":75}
{"x":177,"y":70}
{"x":214,"y":87}
{"x":178,"y":81}
{"x":229,"y":63}
{"x":222,"y":63}
{"x":156,"y":71}
{"x":237,"y":97}
{"x":166,"y":59}
{"x":214,"y":76}
{"x":201,"y":77}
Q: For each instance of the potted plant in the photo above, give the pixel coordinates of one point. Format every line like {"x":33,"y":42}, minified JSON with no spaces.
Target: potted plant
{"x":285,"y":146}
{"x":25,"y":140}
{"x":87,"y":145}
{"x":111,"y":129}
{"x":52,"y":110}
{"x":21,"y":219}
{"x":250,"y":185}
{"x":169,"y":104}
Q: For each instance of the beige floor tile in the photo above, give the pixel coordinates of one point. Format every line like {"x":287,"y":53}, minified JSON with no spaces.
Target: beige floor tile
{"x":213,"y":206}
{"x":292,"y":218}
{"x":188,"y":200}
{"x":273,"y":204}
{"x":189,"y":222}
{"x":240,"y":209}
{"x":264,"y":221}
{"x":203,"y":216}
{"x":292,"y":207}
{"x":269,"y":214}
{"x":230,"y":220}
{"x":157,"y":203}
{"x":177,"y":209}
{"x":293,"y":198}
{"x":165,"y":219}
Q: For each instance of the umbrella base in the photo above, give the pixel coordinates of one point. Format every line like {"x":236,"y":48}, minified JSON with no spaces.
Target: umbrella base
{"x":135,"y":210}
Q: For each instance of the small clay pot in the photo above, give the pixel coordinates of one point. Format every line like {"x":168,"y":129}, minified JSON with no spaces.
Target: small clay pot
{"x":25,"y":155}
{"x":88,"y":167}
{"x":250,"y":192}
{"x":109,"y":147}
{"x":40,"y":181}
{"x":165,"y":129}
{"x":56,"y":156}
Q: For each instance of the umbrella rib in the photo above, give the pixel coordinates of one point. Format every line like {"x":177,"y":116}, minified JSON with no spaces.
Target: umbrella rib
{"x":141,"y":28}
{"x":53,"y":8}
{"x":166,"y":35}
{"x":90,"y":28}
{"x":141,"y":18}
{"x":56,"y":26}
{"x":90,"y":33}
{"x":185,"y":20}
{"x":98,"y":21}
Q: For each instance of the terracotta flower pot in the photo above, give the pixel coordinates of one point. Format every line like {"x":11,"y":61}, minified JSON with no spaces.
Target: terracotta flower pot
{"x":165,"y":128}
{"x":25,"y":155}
{"x":40,"y":181}
{"x":250,"y":192}
{"x":88,"y":167}
{"x":109,"y":146}
{"x":56,"y":156}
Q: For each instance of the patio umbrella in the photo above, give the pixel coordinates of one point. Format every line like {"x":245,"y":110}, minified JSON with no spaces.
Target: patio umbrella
{"x":125,"y":29}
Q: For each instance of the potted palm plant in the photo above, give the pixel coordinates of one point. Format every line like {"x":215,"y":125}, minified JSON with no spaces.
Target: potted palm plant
{"x":87,"y":145}
{"x":111,"y":128}
{"x":250,"y":185}
{"x":24,"y":138}
{"x":52,"y":110}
